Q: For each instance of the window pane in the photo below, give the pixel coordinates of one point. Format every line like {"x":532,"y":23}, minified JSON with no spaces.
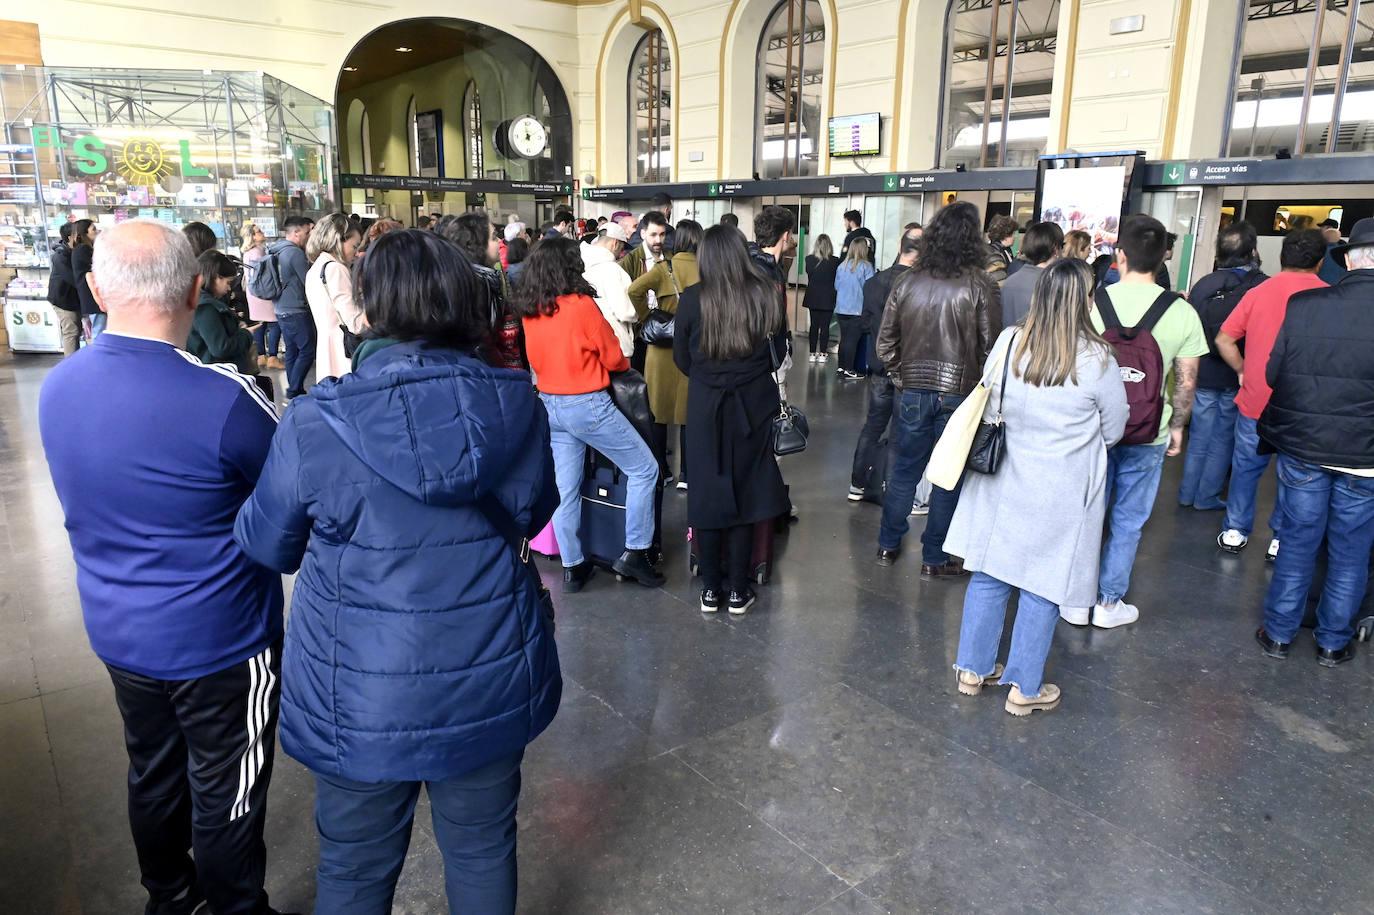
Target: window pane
{"x":1273,"y":70}
{"x":1356,"y":133}
{"x":651,"y":152}
{"x":788,"y":138}
{"x":1027,"y":33}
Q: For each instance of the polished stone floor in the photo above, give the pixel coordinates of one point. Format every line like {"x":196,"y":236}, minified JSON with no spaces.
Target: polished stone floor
{"x":810,"y":757}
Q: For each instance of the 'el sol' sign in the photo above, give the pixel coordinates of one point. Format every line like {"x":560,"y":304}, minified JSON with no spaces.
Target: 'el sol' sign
{"x":140,"y":159}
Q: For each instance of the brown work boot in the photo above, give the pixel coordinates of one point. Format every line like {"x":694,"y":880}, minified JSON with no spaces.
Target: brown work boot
{"x":970,"y":684}
{"x":1020,"y":706}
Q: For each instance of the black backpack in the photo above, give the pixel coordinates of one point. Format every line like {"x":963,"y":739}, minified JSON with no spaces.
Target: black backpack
{"x":1217,"y":307}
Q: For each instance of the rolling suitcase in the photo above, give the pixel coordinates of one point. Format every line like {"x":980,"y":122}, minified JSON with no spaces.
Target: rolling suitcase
{"x":545,"y":543}
{"x":760,"y":554}
{"x":604,"y":491}
{"x":875,"y":484}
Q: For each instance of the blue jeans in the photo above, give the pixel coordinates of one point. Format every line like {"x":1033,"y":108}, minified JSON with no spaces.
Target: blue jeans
{"x":882,"y":398}
{"x":921,"y":417}
{"x":1320,"y":503}
{"x":298,"y":333}
{"x":98,"y":320}
{"x":1132,"y":483}
{"x":579,"y":420}
{"x":365,"y":831}
{"x":1211,"y":436}
{"x":985,"y":612}
{"x":1247,"y":466}
{"x":267,"y":338}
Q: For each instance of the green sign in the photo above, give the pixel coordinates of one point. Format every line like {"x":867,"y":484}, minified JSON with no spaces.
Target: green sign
{"x":713,"y":189}
{"x":890,"y":183}
{"x":141,"y":160}
{"x":1174,"y":172}
{"x":586,"y":193}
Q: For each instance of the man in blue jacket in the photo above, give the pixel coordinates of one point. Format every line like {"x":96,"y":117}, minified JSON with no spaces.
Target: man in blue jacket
{"x":189,"y":627}
{"x":293,"y":311}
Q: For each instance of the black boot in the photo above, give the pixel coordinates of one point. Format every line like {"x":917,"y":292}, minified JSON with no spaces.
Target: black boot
{"x":635,"y":564}
{"x":574,"y":577}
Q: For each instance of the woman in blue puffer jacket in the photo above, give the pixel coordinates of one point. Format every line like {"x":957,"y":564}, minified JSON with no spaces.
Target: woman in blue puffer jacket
{"x":417,"y":650}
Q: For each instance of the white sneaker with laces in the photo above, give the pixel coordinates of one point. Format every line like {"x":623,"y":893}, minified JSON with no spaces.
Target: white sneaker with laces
{"x":856,"y":494}
{"x":1273,"y":552}
{"x":1232,"y":541}
{"x":920,"y":508}
{"x":1076,"y":616}
{"x":1118,"y":614}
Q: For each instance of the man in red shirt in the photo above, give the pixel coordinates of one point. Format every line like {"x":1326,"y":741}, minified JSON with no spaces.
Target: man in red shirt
{"x":1257,"y":320}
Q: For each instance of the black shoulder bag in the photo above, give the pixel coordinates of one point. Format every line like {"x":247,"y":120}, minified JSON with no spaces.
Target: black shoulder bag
{"x":990,"y":441}
{"x":350,"y":339}
{"x":659,"y":325}
{"x":509,"y":530}
{"x":790,"y":428}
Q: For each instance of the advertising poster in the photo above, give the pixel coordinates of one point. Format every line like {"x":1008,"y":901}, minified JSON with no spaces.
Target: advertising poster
{"x":237,"y":193}
{"x":1088,"y":199}
{"x":268,"y":224}
{"x":198,"y":195}
{"x":32,"y":326}
{"x":70,"y":194}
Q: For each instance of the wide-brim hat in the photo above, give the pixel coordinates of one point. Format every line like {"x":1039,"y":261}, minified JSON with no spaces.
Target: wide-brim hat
{"x":1360,"y":235}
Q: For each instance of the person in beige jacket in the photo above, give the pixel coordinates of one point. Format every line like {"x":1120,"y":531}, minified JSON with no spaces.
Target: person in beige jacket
{"x":332,"y":248}
{"x":612,"y":284}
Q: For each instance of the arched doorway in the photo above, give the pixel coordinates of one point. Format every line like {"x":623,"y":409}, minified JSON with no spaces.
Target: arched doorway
{"x":417,"y":79}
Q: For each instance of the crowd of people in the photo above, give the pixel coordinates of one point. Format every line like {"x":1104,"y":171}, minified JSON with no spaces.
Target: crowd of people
{"x":467,"y":380}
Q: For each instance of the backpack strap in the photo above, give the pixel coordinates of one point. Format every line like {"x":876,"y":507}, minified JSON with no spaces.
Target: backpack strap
{"x":1157,"y":310}
{"x":496,"y":513}
{"x":1147,"y":323}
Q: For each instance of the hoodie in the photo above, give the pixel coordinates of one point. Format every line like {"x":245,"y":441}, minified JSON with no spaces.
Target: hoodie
{"x":416,"y":648}
{"x":612,"y":285}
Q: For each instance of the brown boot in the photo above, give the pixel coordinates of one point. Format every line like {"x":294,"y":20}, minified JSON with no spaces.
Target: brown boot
{"x":274,"y":363}
{"x":262,"y":362}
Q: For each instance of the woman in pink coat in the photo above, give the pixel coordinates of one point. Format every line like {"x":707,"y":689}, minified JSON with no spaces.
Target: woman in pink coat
{"x":267,"y":335}
{"x":332,"y":247}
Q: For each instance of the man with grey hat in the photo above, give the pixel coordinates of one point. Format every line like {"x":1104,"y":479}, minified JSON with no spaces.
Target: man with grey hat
{"x":1319,"y":421}
{"x":612,"y":284}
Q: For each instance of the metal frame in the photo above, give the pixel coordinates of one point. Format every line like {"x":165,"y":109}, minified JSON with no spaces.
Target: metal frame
{"x":648,"y":77}
{"x":798,"y":37}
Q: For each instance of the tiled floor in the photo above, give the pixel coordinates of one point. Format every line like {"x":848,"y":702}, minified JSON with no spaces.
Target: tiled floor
{"x":811,"y":757}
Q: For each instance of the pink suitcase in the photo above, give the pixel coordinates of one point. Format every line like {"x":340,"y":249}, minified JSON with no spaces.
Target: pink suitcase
{"x":546,"y":544}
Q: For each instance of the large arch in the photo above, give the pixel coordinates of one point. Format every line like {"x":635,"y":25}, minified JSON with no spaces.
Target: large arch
{"x":613,"y":123}
{"x":738,"y":59}
{"x":446,"y":53}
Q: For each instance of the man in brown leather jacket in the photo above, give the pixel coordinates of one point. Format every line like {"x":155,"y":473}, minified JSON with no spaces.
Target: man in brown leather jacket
{"x":937,"y":330}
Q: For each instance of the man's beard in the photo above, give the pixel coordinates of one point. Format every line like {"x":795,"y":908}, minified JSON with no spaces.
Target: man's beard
{"x":656,"y":250}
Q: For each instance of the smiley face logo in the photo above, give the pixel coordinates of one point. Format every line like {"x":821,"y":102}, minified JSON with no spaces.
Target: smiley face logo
{"x":141,"y":161}
{"x":32,"y":317}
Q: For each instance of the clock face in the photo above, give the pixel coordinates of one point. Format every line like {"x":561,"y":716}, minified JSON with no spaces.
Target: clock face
{"x":527,"y":136}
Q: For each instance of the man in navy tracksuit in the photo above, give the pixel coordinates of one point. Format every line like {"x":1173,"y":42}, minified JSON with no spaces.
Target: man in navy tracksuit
{"x":189,"y":627}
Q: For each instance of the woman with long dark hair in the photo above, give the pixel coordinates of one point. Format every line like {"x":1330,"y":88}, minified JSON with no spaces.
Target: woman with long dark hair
{"x":730,"y":332}
{"x":572,"y":351}
{"x":84,"y":232}
{"x":1063,"y":405}
{"x":418,"y":653}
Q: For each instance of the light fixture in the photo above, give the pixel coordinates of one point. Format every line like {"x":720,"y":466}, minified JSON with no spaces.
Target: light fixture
{"x":350,"y":69}
{"x":405,"y":50}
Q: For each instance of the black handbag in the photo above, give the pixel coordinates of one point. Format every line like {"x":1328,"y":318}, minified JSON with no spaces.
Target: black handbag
{"x":990,"y":441}
{"x":658,"y":326}
{"x":657,"y":329}
{"x":630,"y":394}
{"x":790,"y":430}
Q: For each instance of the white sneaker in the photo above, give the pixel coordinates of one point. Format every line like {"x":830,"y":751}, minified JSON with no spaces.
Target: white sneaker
{"x":1076,"y":616}
{"x":682,"y":485}
{"x":856,"y":494}
{"x":1118,"y":614}
{"x":1273,"y":552}
{"x":920,"y":508}
{"x":1232,"y":541}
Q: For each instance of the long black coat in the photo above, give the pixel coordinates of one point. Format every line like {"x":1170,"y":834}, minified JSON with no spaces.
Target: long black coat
{"x":730,"y":410}
{"x":61,"y":284}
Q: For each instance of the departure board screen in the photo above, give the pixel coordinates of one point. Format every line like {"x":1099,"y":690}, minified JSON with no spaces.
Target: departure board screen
{"x":856,"y":135}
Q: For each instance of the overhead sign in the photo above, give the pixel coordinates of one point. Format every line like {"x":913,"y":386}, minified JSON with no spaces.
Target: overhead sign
{"x":141,"y":160}
{"x":472,"y":185}
{"x":1300,"y":170}
{"x":984,"y":179}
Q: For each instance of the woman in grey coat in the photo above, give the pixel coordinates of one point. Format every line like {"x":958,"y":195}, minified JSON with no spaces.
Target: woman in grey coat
{"x":1036,"y":524}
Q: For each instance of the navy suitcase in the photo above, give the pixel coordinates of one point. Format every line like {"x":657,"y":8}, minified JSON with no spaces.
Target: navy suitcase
{"x":604,"y":491}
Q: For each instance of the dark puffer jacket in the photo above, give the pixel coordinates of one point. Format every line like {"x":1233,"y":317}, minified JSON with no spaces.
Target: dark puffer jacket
{"x":936,"y":333}
{"x":1322,"y":408}
{"x":415,"y":649}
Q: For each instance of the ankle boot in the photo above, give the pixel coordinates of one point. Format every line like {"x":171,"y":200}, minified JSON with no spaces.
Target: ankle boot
{"x":634,"y":564}
{"x":574,"y":577}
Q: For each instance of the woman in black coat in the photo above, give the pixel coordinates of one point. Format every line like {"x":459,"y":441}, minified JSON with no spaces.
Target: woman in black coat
{"x":728,"y":328}
{"x":84,"y":232}
{"x":820,"y":294}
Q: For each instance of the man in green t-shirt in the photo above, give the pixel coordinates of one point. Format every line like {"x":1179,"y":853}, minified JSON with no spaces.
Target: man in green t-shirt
{"x":1133,"y":471}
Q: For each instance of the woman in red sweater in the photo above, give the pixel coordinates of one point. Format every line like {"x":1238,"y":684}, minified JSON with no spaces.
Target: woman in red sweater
{"x":572,"y":351}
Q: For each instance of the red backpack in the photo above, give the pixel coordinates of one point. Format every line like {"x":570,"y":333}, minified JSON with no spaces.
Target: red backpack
{"x":1142,"y":366}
